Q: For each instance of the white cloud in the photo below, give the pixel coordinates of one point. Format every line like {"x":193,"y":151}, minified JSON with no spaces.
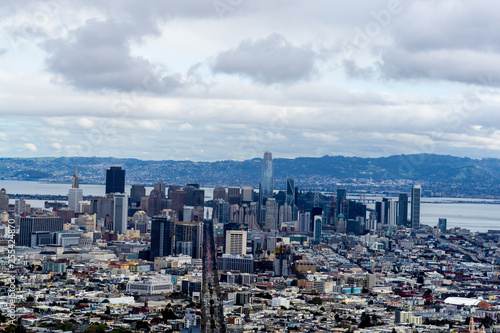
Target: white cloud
{"x":30,"y":146}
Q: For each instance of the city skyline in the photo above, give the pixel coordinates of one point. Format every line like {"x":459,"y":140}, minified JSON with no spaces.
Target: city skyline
{"x":322,"y":78}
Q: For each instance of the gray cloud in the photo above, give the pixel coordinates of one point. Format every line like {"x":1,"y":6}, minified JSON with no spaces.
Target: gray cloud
{"x":270,"y":60}
{"x":97,"y":56}
{"x":2,"y":51}
{"x":353,"y":70}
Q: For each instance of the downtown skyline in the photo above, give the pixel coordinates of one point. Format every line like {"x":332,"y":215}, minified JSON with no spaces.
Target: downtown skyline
{"x":207,"y":81}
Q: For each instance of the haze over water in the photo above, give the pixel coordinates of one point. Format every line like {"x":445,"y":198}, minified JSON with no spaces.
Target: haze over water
{"x":474,"y":214}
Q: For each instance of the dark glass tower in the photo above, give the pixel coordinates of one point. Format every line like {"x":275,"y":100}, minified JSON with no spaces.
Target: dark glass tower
{"x":162,"y":235}
{"x":403,"y":210}
{"x":115,"y":180}
{"x":267,"y":176}
{"x":415,"y":206}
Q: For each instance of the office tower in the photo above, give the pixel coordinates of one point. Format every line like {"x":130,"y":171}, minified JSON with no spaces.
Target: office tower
{"x":392,"y":212}
{"x":267,"y":176}
{"x":246,"y":193}
{"x":4,"y":200}
{"x":189,"y":194}
{"x":271,"y":221}
{"x":236,"y":242}
{"x":220,"y":210}
{"x":102,"y":207}
{"x":115,"y":180}
{"x":30,"y":225}
{"x":285,"y":214}
{"x":162,"y":236}
{"x":304,"y":221}
{"x":341,"y":226}
{"x":341,"y":203}
{"x":318,"y":222}
{"x":154,"y":203}
{"x":20,"y":206}
{"x":161,"y":187}
{"x":198,"y":198}
{"x":290,"y":192}
{"x":403,"y":210}
{"x":172,"y":188}
{"x":187,"y":213}
{"x":136,"y":193}
{"x":415,"y":206}
{"x":220,"y":193}
{"x":189,"y":232}
{"x":75,"y":194}
{"x":442,"y":225}
{"x":179,"y":198}
{"x":120,"y":213}
{"x":315,"y":211}
{"x":233,"y":195}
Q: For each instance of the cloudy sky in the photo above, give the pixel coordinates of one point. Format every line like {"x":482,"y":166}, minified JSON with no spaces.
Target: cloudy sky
{"x":230,"y":79}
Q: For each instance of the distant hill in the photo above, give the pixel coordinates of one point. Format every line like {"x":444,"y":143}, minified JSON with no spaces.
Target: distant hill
{"x":439,"y":174}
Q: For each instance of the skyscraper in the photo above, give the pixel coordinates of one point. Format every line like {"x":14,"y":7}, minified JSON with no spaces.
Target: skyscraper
{"x":4,"y":200}
{"x":190,"y":232}
{"x":154,"y":203}
{"x":415,"y":206}
{"x":115,"y":180}
{"x":403,"y":210}
{"x":271,"y":214}
{"x":120,"y":213}
{"x":318,"y":221}
{"x":136,"y":193}
{"x":341,"y":203}
{"x":267,"y":176}
{"x":179,"y":199}
{"x":29,"y":225}
{"x":75,"y":194}
{"x":236,"y":242}
{"x":290,"y":192}
{"x":442,"y":225}
{"x":162,"y":236}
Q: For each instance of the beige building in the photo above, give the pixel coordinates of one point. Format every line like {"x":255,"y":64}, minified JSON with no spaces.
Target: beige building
{"x":236,"y":242}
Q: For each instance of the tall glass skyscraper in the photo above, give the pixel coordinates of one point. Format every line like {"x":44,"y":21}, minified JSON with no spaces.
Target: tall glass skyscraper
{"x":115,"y":180}
{"x":415,"y":206}
{"x":267,"y":176}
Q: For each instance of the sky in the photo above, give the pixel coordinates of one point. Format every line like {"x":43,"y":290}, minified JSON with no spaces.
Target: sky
{"x":209,"y":80}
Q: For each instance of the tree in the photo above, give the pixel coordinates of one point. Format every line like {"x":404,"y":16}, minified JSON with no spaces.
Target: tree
{"x":487,"y":322}
{"x":365,"y":321}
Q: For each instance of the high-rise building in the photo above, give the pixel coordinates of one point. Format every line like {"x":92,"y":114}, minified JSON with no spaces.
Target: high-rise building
{"x":220,"y":193}
{"x":120,"y":213}
{"x":318,"y":222}
{"x":162,"y":236}
{"x":341,"y":203}
{"x":246,"y":193}
{"x":190,"y":232}
{"x":179,"y":199}
{"x":271,"y":221}
{"x":30,"y":225}
{"x":290,"y":192}
{"x":172,"y":188}
{"x":442,"y":225}
{"x":136,"y":193}
{"x":220,"y":210}
{"x":267,"y":175}
{"x":304,"y":221}
{"x":234,"y":195}
{"x":20,"y":206}
{"x":75,"y":194}
{"x":115,"y":180}
{"x":403,"y":210}
{"x":154,"y":203}
{"x":415,"y":206}
{"x":4,"y":201}
{"x":161,"y":187}
{"x":198,"y":198}
{"x":236,"y":242}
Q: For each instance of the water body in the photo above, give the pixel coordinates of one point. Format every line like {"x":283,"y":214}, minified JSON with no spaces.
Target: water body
{"x":474,"y":214}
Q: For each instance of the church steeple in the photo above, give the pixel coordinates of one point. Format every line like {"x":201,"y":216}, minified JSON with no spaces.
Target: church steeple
{"x":75,"y":178}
